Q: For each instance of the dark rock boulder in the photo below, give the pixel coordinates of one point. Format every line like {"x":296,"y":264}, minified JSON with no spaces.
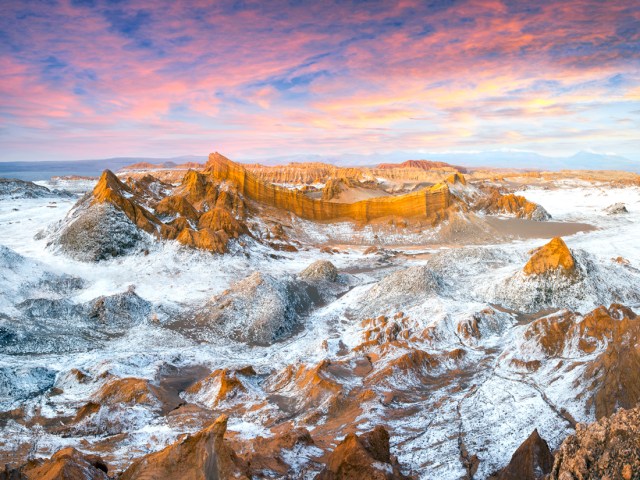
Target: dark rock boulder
{"x":364,"y":457}
{"x":531,"y":461}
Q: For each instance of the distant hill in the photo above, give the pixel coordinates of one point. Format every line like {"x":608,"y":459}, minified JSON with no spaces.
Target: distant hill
{"x":423,"y":165}
{"x":493,"y":159}
{"x":164,"y":165}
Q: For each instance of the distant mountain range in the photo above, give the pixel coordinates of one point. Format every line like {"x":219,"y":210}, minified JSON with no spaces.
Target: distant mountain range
{"x":492,"y":159}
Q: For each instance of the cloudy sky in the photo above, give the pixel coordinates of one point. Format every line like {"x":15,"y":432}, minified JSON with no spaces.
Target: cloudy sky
{"x":96,"y":79}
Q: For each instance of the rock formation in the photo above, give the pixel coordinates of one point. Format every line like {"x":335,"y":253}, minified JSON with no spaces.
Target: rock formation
{"x":555,"y":256}
{"x":259,"y":309}
{"x":616,"y":209}
{"x":104,"y":224}
{"x":307,"y":173}
{"x":102,"y":318}
{"x":608,"y":448}
{"x":110,"y":189}
{"x":14,"y":189}
{"x":609,"y":336}
{"x":218,"y":204}
{"x":66,"y":464}
{"x":429,"y":202}
{"x":320,"y":270}
{"x":400,"y":290}
{"x":205,"y":455}
{"x":221,"y":385}
{"x":557,"y":277}
{"x":495,"y":203}
{"x":98,"y":233}
{"x":364,"y":457}
{"x":531,"y":461}
{"x":309,"y":390}
{"x":109,"y":222}
{"x":456,"y":178}
{"x":612,"y":376}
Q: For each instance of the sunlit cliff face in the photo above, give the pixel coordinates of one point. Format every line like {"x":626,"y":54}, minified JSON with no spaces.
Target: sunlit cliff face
{"x":149,"y":78}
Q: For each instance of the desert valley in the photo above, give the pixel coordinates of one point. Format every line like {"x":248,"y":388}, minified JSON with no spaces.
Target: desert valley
{"x":307,"y":321}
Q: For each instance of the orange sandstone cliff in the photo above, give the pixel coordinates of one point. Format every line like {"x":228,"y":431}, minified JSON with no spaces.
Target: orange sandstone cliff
{"x":428,"y":202}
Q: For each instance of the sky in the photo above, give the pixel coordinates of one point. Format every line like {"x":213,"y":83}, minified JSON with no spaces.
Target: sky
{"x":83,"y":79}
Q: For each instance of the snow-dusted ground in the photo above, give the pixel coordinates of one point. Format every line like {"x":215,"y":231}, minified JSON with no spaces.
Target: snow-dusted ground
{"x":491,"y":409}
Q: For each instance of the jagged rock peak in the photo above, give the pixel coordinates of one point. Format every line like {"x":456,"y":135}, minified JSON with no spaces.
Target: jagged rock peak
{"x":110,"y":189}
{"x":531,"y":461}
{"x":200,"y":456}
{"x":552,"y":257}
{"x":108,"y":185}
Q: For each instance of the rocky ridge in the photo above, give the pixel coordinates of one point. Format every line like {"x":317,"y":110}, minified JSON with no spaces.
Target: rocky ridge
{"x":225,"y":202}
{"x":11,"y":188}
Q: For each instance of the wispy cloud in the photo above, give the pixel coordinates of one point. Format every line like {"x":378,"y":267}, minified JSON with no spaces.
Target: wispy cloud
{"x":98,"y":78}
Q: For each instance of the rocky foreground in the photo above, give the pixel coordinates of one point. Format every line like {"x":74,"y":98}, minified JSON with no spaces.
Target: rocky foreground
{"x":606,"y":449}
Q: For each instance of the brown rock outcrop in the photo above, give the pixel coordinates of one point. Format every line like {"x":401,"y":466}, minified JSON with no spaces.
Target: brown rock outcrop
{"x":220,"y":385}
{"x":456,"y":178}
{"x":531,"y":461}
{"x":555,"y":256}
{"x":121,"y":392}
{"x":215,"y":228}
{"x":613,"y":375}
{"x":606,"y":449}
{"x":66,"y":464}
{"x":133,"y":391}
{"x":220,"y":219}
{"x":364,"y":457}
{"x":305,"y":387}
{"x":494,"y":202}
{"x":610,"y":379}
{"x":177,"y":205}
{"x":203,"y":456}
{"x":266,"y":455}
{"x":110,"y":189}
{"x":332,"y":189}
{"x":306,"y":173}
{"x":204,"y":239}
{"x":211,"y":230}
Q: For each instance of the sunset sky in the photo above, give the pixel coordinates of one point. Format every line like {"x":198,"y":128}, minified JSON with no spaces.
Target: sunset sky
{"x":95,"y":79}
